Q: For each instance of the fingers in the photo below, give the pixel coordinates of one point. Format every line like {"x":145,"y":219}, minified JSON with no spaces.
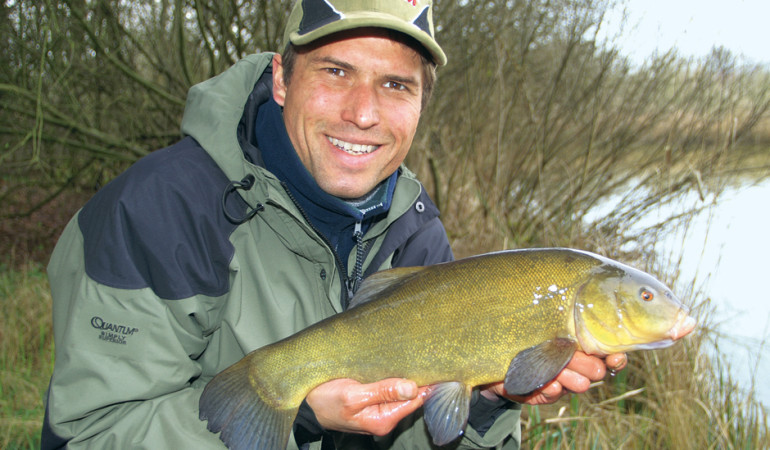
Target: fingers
{"x":383,"y":391}
{"x":375,"y":408}
{"x":576,"y":377}
{"x":580,"y":372}
{"x":547,"y":394}
{"x":584,"y":369}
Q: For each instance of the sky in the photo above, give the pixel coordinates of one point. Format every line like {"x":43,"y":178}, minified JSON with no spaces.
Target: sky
{"x":695,"y":26}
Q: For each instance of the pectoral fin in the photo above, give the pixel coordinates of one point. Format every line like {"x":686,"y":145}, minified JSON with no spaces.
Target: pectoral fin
{"x":446,"y":411}
{"x":532,"y":368}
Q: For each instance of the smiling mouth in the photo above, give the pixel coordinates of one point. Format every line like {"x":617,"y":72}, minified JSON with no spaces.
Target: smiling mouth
{"x":352,"y":149}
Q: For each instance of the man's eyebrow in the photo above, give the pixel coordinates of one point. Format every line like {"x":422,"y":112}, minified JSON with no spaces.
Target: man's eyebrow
{"x":333,"y":61}
{"x":405,"y":80}
{"x":408,"y":81}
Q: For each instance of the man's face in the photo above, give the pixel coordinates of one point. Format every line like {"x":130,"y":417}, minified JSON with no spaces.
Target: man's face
{"x":351,"y":108}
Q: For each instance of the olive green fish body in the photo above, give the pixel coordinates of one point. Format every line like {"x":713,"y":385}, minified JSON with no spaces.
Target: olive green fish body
{"x":516,"y":316}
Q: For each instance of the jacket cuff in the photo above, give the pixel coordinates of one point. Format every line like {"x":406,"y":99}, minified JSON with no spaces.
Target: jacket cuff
{"x":306,"y":426}
{"x":484,"y":412}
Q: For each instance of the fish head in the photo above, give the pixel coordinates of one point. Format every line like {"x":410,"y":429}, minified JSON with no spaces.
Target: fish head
{"x":620,"y":308}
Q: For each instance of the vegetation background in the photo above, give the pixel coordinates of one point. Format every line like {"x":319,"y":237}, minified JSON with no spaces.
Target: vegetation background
{"x":535,"y":122}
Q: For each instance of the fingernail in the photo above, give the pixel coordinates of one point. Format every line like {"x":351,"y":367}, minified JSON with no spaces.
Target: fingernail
{"x":425,"y":393}
{"x":405,"y":391}
{"x":619,"y":364}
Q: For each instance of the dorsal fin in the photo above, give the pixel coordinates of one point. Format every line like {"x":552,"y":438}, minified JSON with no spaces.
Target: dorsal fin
{"x":374,"y":284}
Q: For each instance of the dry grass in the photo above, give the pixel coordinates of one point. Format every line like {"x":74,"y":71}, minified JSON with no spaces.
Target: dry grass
{"x":26,"y":354}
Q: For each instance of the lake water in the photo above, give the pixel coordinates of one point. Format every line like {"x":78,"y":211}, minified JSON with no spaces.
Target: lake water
{"x":726,"y":250}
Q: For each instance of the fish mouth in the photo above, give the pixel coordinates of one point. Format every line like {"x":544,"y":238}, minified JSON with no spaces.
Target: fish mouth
{"x":351,"y":148}
{"x":683,"y":326}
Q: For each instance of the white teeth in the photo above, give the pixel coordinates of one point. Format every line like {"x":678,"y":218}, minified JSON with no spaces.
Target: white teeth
{"x":353,"y":149}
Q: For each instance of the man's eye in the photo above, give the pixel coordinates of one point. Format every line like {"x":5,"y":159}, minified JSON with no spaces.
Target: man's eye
{"x":336,"y":71}
{"x":395,"y":85}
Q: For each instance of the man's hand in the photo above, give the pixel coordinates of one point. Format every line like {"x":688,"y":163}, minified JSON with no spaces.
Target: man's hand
{"x":581,"y":371}
{"x":376,"y":408}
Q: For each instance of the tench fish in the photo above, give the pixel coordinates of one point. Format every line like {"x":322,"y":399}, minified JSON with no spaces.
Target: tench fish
{"x":516,"y":316}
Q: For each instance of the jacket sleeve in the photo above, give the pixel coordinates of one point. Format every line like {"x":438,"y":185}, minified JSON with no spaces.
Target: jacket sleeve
{"x":428,"y":246}
{"x":125,"y":373}
{"x":417,"y":238}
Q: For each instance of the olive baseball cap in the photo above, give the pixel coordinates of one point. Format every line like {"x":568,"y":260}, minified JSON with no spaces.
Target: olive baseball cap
{"x":313,"y":19}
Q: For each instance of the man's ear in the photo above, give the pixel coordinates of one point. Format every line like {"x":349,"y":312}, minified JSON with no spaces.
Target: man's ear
{"x":279,"y":87}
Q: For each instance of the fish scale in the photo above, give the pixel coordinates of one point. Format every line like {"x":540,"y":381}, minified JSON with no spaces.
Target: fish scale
{"x":512,"y":316}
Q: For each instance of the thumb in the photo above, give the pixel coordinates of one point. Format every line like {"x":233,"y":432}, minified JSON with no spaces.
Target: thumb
{"x":390,"y":390}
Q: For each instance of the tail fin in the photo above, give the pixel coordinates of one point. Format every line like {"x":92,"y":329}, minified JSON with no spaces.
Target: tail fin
{"x":231,"y":405}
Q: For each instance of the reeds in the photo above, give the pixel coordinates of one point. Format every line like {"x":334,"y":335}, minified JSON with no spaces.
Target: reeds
{"x":677,"y":398}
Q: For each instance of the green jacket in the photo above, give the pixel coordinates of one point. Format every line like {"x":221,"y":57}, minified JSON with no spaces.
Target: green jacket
{"x":189,"y":260}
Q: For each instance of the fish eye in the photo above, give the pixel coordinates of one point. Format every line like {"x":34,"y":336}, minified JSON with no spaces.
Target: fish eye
{"x":646,"y":295}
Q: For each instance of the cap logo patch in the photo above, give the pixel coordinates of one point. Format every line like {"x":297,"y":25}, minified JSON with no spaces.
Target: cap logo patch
{"x":315,"y":14}
{"x":422,"y":22}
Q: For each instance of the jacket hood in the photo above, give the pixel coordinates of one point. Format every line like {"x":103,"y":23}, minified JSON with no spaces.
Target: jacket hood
{"x":214,"y":111}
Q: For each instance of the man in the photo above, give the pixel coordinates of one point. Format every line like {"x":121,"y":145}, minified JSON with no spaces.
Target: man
{"x":287,"y":190}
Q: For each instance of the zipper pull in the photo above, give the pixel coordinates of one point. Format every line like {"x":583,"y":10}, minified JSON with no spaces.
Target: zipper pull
{"x":357,"y":232}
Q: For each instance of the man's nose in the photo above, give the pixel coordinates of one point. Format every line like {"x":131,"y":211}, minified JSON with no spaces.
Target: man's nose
{"x":362,"y":106}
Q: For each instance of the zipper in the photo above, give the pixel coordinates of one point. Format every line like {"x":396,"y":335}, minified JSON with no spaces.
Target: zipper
{"x":361,"y":252}
{"x":358,"y":270}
